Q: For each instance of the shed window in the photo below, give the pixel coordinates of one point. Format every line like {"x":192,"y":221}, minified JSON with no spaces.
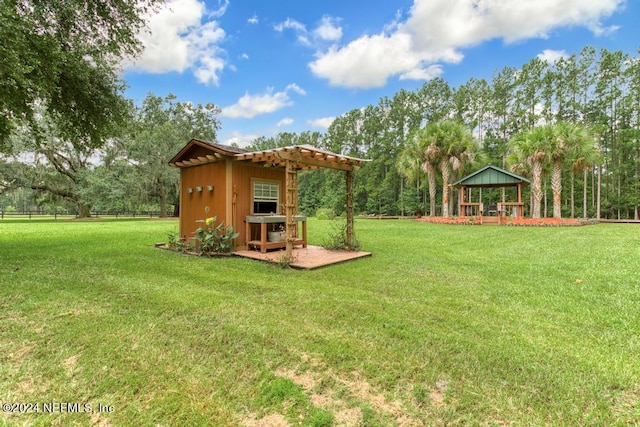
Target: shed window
{"x":265,"y":197}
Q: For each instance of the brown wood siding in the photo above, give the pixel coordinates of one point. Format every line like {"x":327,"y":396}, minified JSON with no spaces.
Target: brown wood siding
{"x":242,"y":176}
{"x":192,"y":206}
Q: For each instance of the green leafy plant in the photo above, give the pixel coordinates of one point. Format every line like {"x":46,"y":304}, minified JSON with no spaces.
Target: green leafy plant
{"x":325,"y":213}
{"x":214,"y":239}
{"x":285,"y":261}
{"x":172,"y":240}
{"x":177,"y":243}
{"x":338,"y":238}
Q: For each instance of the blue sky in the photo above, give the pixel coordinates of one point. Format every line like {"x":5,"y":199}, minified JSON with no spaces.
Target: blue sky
{"x":294,"y":65}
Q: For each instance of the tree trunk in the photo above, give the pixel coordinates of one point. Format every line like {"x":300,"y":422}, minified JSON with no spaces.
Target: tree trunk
{"x":444,"y":169}
{"x":536,"y":189}
{"x":163,"y":204}
{"x":593,"y":187}
{"x":584,"y":194}
{"x":556,"y":188}
{"x":401,"y":198}
{"x":573,"y":194}
{"x":84,"y":210}
{"x":545,"y":195}
{"x":599,"y":191}
{"x":431,"y":174}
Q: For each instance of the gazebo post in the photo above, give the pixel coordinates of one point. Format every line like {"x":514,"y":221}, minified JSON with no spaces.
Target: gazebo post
{"x":350,"y":242}
{"x":520,"y":205}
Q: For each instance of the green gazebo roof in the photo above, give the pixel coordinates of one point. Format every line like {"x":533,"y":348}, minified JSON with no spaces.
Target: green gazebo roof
{"x":491,"y":176}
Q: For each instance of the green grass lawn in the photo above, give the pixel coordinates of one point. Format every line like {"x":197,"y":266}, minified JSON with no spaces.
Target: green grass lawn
{"x":442,"y":325}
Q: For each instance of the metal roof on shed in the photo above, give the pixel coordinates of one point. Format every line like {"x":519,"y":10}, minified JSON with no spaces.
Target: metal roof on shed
{"x":491,"y":176}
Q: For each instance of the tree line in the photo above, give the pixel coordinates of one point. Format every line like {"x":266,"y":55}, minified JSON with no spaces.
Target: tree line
{"x":572,"y":127}
{"x":518,"y":120}
{"x":128,"y":173}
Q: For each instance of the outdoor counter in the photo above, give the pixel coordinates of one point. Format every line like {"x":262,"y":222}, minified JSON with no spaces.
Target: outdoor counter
{"x":273,"y":236}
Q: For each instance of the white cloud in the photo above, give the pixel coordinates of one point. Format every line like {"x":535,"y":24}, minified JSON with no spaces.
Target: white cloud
{"x":164,"y":47}
{"x":322,"y":123}
{"x":552,"y":56}
{"x":221,"y":10}
{"x":253,"y":20}
{"x":249,"y":106}
{"x":178,"y":40}
{"x":436,"y":30}
{"x":240,"y":139}
{"x":205,"y":55}
{"x":285,"y":122}
{"x":460,"y":23}
{"x":419,"y":73}
{"x":393,"y":25}
{"x":370,"y":60}
{"x":290,"y":24}
{"x":299,"y":28}
{"x":328,"y":29}
{"x":297,"y":89}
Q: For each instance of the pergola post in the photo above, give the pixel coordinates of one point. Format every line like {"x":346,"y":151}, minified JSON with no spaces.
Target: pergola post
{"x":291,"y":205}
{"x":350,"y":240}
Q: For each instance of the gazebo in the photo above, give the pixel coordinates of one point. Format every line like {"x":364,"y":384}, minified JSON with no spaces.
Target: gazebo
{"x":491,"y":177}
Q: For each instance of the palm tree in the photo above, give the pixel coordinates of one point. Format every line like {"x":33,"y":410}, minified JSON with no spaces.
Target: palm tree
{"x":562,"y":137}
{"x":583,"y":154}
{"x":575,"y":143}
{"x":530,"y":147}
{"x":449,"y":146}
{"x":431,"y":159}
{"x":409,"y":163}
{"x":418,"y":153}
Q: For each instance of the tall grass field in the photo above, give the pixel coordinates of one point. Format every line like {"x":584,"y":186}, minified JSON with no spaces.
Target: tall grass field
{"x":443,"y":325}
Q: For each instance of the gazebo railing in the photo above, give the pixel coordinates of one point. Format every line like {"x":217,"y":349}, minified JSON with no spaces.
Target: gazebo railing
{"x":514,"y":209}
{"x":504,"y":209}
{"x":471,"y":209}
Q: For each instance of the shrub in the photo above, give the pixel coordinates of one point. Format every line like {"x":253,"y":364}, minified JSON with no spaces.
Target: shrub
{"x":338,"y":238}
{"x":325,"y":213}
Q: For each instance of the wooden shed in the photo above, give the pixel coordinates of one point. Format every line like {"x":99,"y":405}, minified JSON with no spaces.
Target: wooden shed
{"x":256,"y":192}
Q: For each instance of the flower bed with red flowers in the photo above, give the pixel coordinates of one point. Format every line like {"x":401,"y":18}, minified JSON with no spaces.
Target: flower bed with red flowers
{"x":464,"y":220}
{"x":547,"y":222}
{"x":512,"y":221}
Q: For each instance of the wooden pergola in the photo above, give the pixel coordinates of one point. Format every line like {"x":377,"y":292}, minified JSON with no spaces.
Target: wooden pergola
{"x":491,"y":177}
{"x":302,"y":157}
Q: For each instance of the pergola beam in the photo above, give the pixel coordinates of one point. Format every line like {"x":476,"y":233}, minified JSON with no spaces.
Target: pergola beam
{"x":314,"y":161}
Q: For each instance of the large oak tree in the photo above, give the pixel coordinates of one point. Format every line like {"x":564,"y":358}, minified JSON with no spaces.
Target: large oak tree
{"x":63,"y":56}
